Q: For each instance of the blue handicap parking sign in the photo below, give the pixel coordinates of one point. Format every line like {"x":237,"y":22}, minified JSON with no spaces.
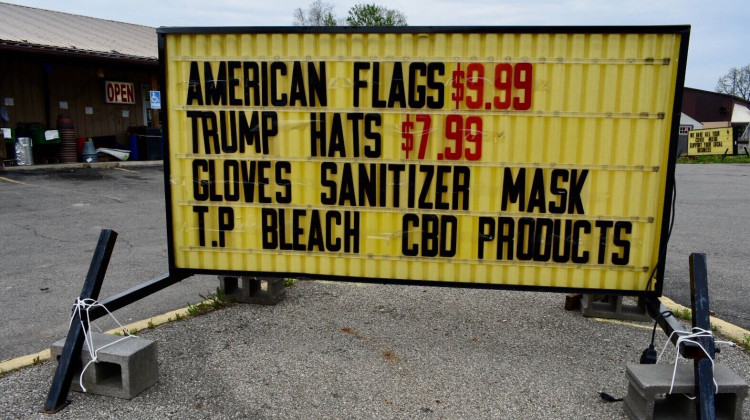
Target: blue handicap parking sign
{"x":155,"y":99}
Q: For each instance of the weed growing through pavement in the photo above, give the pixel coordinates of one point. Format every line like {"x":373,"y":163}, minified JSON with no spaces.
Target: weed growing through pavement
{"x":683,"y":314}
{"x":215,"y":300}
{"x":288,"y":282}
{"x":150,"y":325}
{"x":133,"y":331}
{"x":746,"y":343}
{"x":37,"y":361}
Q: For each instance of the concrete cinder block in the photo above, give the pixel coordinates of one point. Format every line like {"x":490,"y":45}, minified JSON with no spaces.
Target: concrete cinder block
{"x":258,"y":290}
{"x":612,"y":307}
{"x":648,"y":388}
{"x":122,"y":370}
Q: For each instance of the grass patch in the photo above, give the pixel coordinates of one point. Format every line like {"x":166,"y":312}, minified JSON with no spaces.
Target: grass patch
{"x":683,"y":314}
{"x":215,"y":300}
{"x":742,"y":158}
{"x":150,"y":325}
{"x":288,"y":282}
{"x":37,"y":361}
{"x":745,"y":343}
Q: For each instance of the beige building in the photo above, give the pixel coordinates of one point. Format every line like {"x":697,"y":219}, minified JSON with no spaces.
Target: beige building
{"x":94,"y":73}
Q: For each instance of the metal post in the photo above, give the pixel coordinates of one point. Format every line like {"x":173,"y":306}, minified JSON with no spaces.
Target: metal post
{"x":69,"y":359}
{"x":705,"y":402}
{"x":669,"y":325}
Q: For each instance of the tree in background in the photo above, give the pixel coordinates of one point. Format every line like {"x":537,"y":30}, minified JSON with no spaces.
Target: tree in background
{"x":736,"y":83}
{"x":321,"y":14}
{"x":318,"y":14}
{"x":374,"y":15}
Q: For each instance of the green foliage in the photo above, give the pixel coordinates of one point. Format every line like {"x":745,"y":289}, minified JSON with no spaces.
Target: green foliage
{"x":683,"y":314}
{"x":741,"y":158}
{"x":215,"y":300}
{"x":150,"y":325}
{"x":289,"y":282}
{"x":37,"y":361}
{"x":744,"y":342}
{"x":133,"y":331}
{"x":374,"y":15}
{"x":118,"y":333}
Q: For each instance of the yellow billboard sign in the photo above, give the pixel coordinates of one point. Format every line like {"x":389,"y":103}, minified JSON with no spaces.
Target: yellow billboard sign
{"x":711,"y":141}
{"x":528,"y":158}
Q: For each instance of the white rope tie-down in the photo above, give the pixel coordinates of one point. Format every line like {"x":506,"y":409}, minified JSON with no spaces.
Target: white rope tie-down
{"x":82,"y":308}
{"x":692,"y":337}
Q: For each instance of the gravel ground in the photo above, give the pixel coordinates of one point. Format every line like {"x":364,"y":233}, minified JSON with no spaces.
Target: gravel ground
{"x":362,"y":351}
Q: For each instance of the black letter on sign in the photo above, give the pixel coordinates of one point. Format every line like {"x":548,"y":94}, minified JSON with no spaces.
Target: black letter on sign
{"x":317,"y":85}
{"x":201,"y":210}
{"x":603,"y":226}
{"x":486,"y":234}
{"x":413,"y":220}
{"x":558,"y":175}
{"x":270,"y":234}
{"x":624,"y":258}
{"x":226,"y":223}
{"x":280,"y":68}
{"x":430,"y":231}
{"x":200,"y":187}
{"x":216,"y":88}
{"x":514,"y":191}
{"x":579,"y":225}
{"x":576,"y":185}
{"x":318,"y":136}
{"x":435,"y":83}
{"x":286,"y":196}
{"x":232,"y":66}
{"x":194,"y":93}
{"x":326,"y":168}
{"x":448,"y":224}
{"x":358,"y":83}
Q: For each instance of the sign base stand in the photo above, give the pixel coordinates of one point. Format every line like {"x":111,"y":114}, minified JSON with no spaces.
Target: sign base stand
{"x":70,"y":361}
{"x":612,"y":307}
{"x":257,"y":290}
{"x":648,"y":383}
{"x":703,"y":354}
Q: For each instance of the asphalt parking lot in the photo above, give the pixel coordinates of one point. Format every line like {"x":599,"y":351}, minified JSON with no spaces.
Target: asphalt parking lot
{"x":336,"y":350}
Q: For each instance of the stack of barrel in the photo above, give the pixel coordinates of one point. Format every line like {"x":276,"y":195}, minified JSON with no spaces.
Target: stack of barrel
{"x":69,"y":146}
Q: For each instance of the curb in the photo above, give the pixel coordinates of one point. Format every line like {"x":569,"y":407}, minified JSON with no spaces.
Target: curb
{"x":731,"y":331}
{"x":82,"y":165}
{"x":21,"y":362}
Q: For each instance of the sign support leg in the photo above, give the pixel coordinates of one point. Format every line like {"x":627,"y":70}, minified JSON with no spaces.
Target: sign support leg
{"x":705,"y":402}
{"x":69,"y":359}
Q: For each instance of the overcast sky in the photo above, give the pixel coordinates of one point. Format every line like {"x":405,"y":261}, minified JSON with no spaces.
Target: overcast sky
{"x":719,"y":39}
